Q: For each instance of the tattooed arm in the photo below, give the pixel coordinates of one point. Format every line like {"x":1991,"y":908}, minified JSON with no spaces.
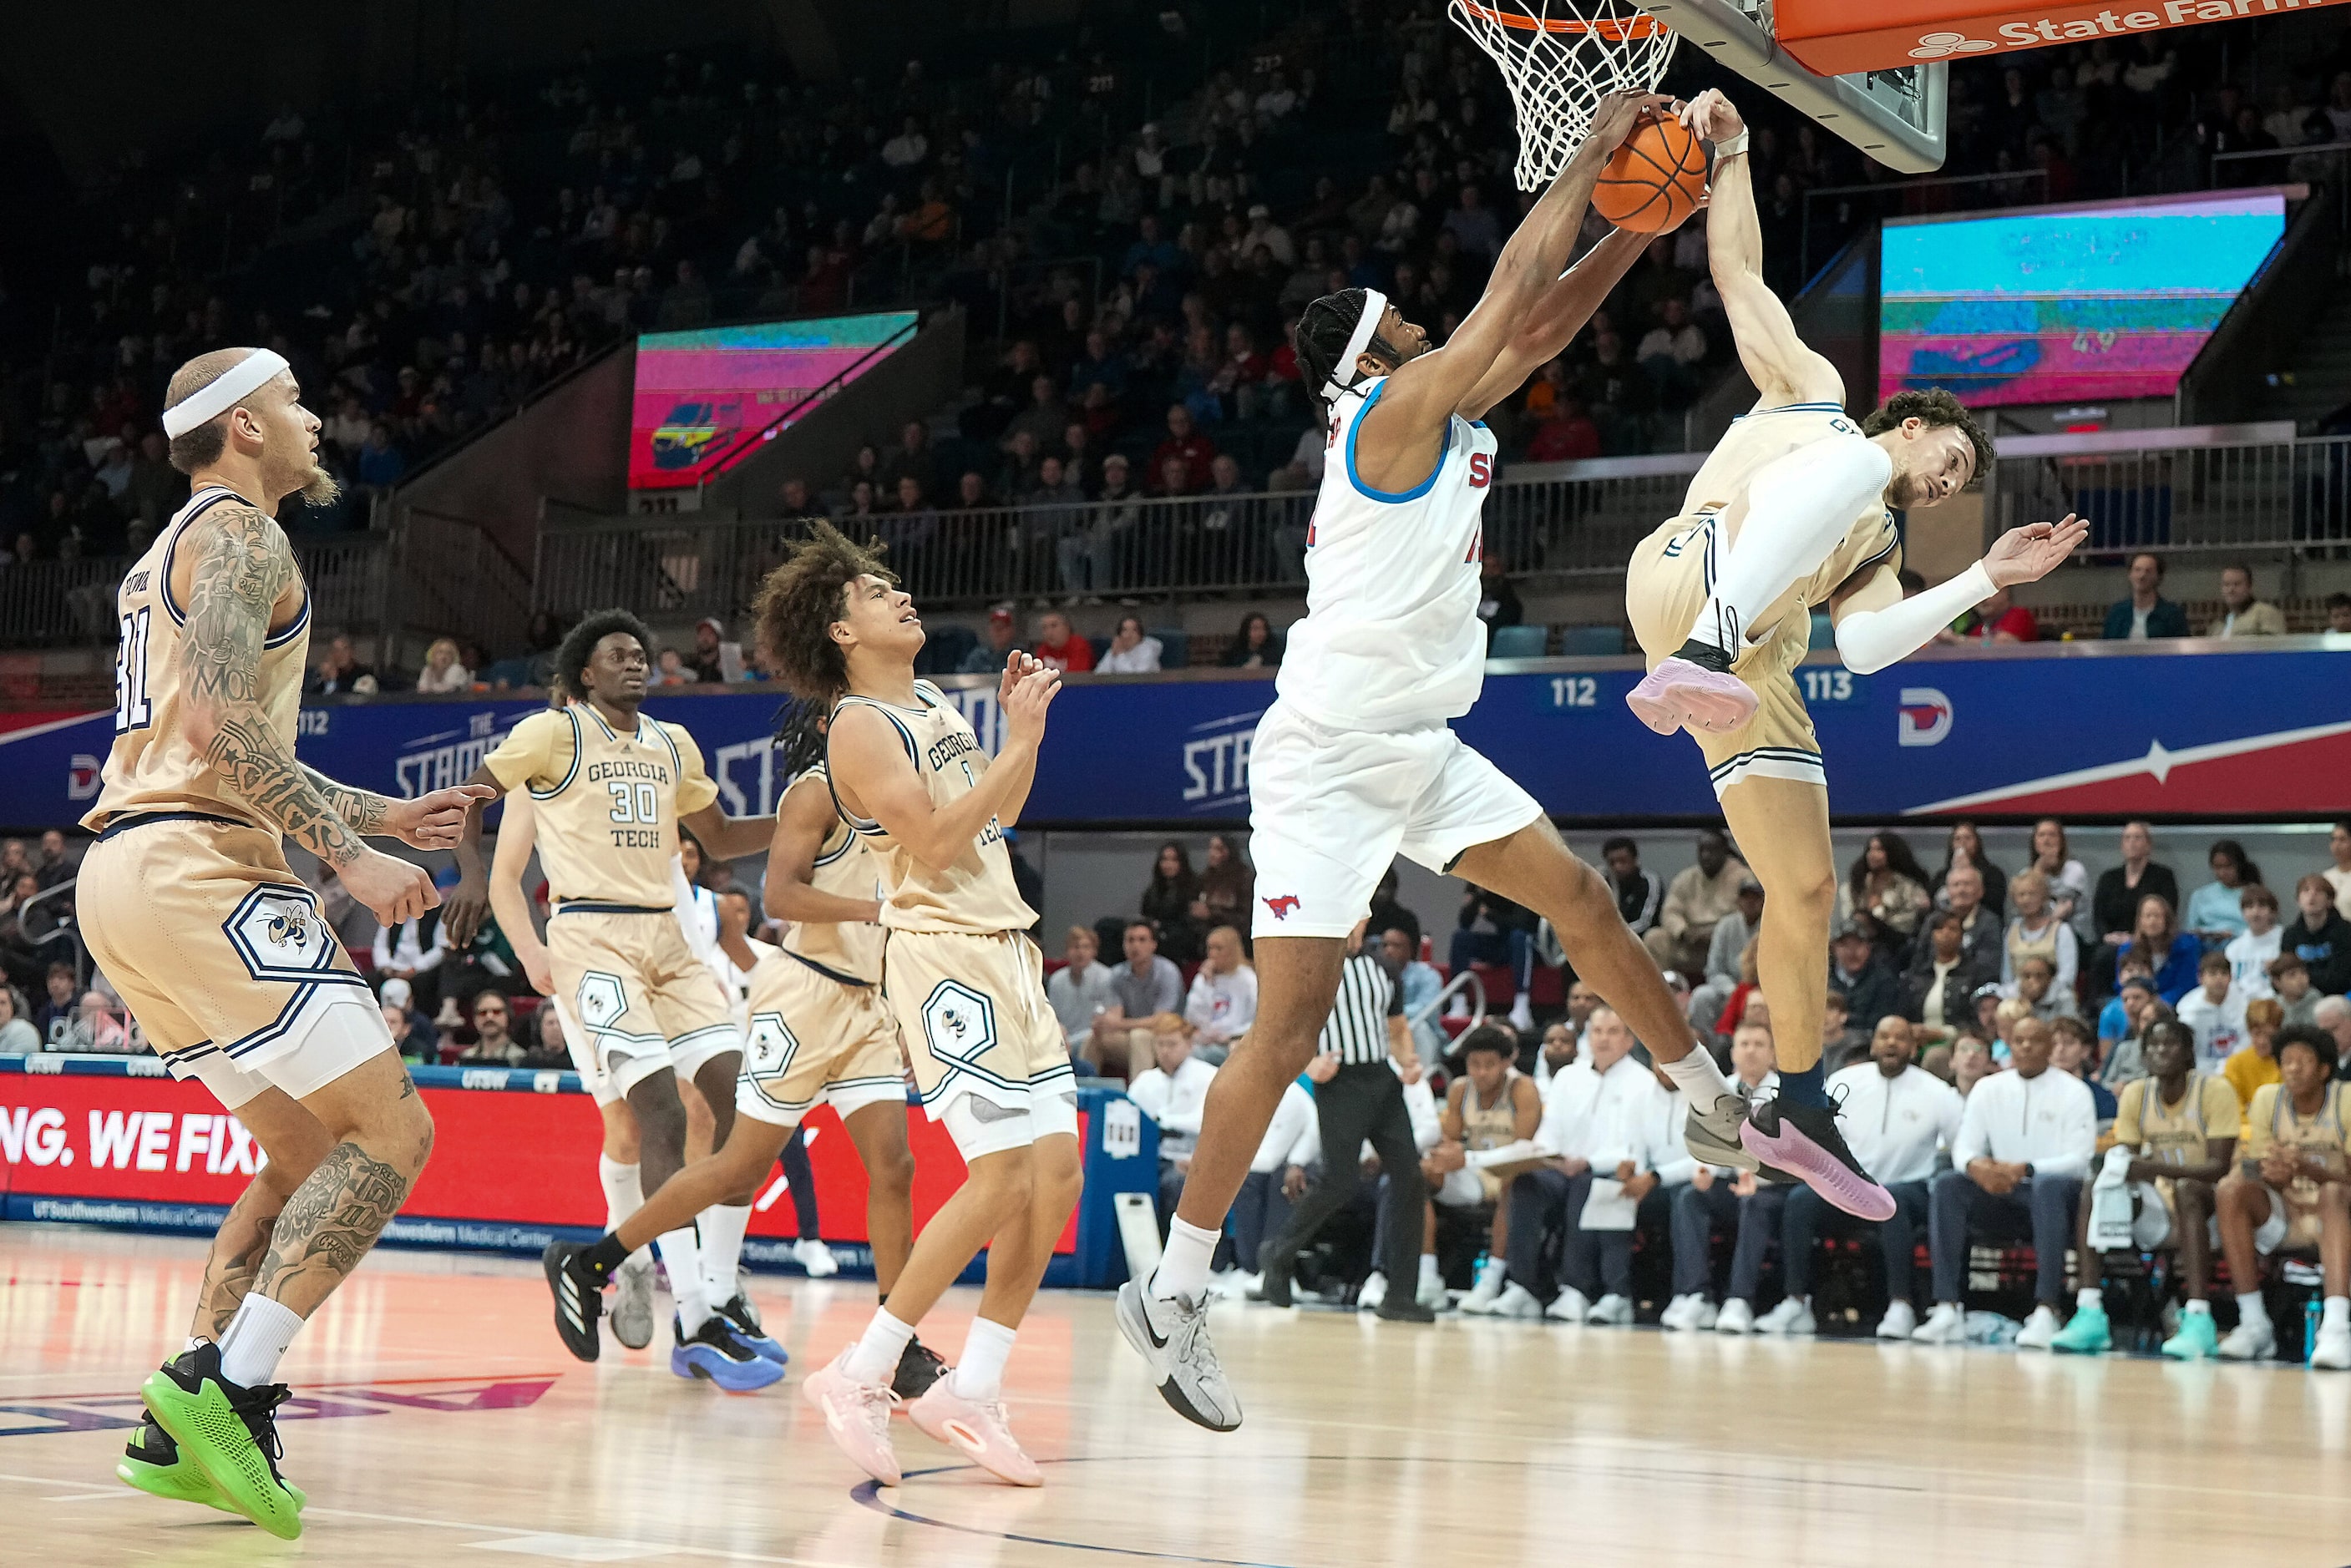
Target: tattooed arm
{"x":361,"y":811}
{"x":241,"y":564}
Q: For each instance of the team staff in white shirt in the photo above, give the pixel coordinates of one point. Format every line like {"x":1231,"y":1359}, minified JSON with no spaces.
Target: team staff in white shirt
{"x":1718,"y":1194}
{"x":1172,"y":1094}
{"x":1899,"y":1120}
{"x":1277,"y":1175}
{"x":2024,"y":1151}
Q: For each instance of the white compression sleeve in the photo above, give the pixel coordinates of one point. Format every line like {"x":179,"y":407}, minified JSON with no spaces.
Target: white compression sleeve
{"x":1798,"y":506}
{"x":1872,"y":640}
{"x":1509,"y":1153}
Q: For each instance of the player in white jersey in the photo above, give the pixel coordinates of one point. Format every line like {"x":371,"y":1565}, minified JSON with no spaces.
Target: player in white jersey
{"x":817,"y":1030}
{"x":1354,"y":762}
{"x":1793,"y":510}
{"x":221,"y":951}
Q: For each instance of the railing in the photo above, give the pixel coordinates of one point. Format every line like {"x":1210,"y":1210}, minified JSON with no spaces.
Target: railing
{"x":2204,"y":489}
{"x":71,"y":603}
{"x":454,"y":579}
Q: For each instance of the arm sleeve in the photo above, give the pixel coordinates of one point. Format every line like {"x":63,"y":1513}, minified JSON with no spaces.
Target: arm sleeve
{"x":526,"y":755}
{"x":1869,"y":640}
{"x":2081,"y":1136}
{"x":695,"y":788}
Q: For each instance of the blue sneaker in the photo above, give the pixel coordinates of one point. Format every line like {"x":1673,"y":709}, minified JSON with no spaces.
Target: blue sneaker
{"x":712,"y":1352}
{"x":743,"y":1320}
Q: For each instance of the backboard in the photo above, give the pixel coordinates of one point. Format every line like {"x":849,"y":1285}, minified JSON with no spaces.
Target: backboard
{"x":1895,"y":115}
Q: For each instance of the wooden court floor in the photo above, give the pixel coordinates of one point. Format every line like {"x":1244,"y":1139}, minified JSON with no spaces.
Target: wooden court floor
{"x":449,"y":1427}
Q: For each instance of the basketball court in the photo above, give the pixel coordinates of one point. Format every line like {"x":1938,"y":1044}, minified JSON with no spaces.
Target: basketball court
{"x":436,"y":1417}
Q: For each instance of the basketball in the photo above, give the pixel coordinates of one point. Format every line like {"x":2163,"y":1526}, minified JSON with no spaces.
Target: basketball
{"x":1654,"y":181}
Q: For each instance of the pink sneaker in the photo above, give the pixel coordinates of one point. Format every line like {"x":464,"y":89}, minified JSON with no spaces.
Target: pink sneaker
{"x":975,"y":1429}
{"x":1677,"y":693}
{"x":858,"y":1417}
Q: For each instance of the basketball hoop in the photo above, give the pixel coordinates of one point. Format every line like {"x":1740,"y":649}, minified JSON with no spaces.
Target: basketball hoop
{"x":1559,"y":59}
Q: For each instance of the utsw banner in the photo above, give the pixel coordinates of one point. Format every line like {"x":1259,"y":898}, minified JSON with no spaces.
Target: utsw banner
{"x":2183,"y":730}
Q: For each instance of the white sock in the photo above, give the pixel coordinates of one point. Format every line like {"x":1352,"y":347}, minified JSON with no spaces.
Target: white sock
{"x":257,"y":1336}
{"x":2251,"y":1308}
{"x":875,"y":1357}
{"x":979,"y":1371}
{"x":1697,"y":1078}
{"x":2198,"y":1309}
{"x":680,"y":1254}
{"x":1183,"y":1266}
{"x":722,"y":1226}
{"x":1798,"y":507}
{"x":1427,"y":1270}
{"x":2337,"y":1312}
{"x":623,"y":1193}
{"x":2089,"y":1297}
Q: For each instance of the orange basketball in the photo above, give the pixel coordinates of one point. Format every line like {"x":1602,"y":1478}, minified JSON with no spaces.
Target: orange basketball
{"x":1654,"y":179}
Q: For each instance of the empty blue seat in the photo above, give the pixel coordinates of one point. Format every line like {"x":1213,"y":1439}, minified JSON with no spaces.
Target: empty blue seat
{"x":1174,"y":647}
{"x":1824,"y":630}
{"x":1592,"y":641}
{"x":1518,"y":642}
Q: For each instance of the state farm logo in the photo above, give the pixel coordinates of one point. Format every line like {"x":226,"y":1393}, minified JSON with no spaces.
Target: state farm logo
{"x":1940,"y":46}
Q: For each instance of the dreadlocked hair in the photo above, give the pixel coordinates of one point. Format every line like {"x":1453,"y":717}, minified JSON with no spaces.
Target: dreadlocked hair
{"x":1935,"y":406}
{"x":578,"y":646}
{"x":799,"y":736}
{"x":800,"y":600}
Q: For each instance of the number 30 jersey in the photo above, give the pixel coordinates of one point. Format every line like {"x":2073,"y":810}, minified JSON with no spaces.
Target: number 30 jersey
{"x":152,"y":766}
{"x":608,"y":802}
{"x":977,"y":893}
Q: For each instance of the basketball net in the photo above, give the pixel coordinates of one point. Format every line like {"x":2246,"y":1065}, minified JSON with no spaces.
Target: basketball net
{"x":1559,"y":59}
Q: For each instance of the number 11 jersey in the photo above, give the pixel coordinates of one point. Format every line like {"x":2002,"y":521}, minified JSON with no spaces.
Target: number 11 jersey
{"x":608,"y":802}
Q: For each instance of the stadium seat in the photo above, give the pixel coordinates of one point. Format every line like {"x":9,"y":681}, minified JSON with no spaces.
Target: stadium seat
{"x":1518,"y":642}
{"x":1502,"y":985}
{"x":1174,"y":648}
{"x":943,"y":651}
{"x":1824,"y":630}
{"x":1590,"y":641}
{"x":1547,"y":986}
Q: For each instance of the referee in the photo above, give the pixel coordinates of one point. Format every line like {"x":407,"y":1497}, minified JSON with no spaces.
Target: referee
{"x":1363,"y":1099}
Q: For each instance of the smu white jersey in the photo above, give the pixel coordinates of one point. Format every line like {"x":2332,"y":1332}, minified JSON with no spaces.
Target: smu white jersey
{"x":1391,"y":636}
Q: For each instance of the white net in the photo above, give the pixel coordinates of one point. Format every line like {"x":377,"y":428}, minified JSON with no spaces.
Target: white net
{"x":1559,"y":59}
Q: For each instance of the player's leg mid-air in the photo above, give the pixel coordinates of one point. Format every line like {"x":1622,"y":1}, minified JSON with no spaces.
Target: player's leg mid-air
{"x":1356,"y":762}
{"x":1794,"y":511}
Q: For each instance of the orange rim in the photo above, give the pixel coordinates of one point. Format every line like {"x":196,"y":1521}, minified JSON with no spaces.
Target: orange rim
{"x":1615,"y":30}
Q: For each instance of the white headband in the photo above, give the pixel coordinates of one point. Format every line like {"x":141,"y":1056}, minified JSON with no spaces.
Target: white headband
{"x":215,"y":399}
{"x":1375,"y":305}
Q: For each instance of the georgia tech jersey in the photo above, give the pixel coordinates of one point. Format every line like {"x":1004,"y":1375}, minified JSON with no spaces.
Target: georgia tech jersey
{"x":608,"y":804}
{"x":152,"y":766}
{"x":977,"y":893}
{"x":846,"y":868}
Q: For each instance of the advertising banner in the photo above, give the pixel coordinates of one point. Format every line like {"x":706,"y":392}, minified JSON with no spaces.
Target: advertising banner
{"x":117,"y":1141}
{"x":2182,"y":730}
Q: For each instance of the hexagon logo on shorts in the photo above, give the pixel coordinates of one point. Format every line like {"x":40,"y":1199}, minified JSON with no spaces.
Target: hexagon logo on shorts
{"x":958,"y":1022}
{"x":602,"y":1000}
{"x":768,"y":1054}
{"x":279,"y":933}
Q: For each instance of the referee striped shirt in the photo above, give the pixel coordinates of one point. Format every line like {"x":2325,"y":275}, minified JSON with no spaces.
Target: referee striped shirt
{"x":1357,"y":1028}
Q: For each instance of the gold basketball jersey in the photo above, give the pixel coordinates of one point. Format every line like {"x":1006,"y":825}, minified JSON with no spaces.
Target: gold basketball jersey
{"x":846,"y":868}
{"x":608,"y":802}
{"x":153,"y":767}
{"x":1753,"y":442}
{"x":2176,"y":1133}
{"x":977,"y":894}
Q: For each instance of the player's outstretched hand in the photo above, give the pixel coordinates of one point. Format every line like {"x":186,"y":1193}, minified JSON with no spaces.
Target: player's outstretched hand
{"x":2029,"y":554}
{"x":1711,"y":116}
{"x":435,"y":821}
{"x":395,"y":890}
{"x":1018,"y":666}
{"x":1619,"y":115}
{"x":1025,"y":701}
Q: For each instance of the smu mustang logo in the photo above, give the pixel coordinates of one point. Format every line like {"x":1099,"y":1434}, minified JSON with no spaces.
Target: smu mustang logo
{"x":1282,"y":906}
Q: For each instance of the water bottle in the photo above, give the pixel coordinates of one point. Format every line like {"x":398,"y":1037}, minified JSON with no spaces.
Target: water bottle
{"x":2312,"y":1311}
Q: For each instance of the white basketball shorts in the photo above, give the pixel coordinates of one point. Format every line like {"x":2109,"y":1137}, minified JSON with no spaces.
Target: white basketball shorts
{"x":1329,"y":809}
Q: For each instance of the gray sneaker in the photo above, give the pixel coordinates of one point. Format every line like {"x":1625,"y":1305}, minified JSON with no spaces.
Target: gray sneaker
{"x":633,"y":1302}
{"x":1713,"y":1138}
{"x":1172,"y":1336}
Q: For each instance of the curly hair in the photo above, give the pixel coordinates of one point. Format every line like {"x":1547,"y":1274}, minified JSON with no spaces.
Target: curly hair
{"x":1937,"y":407}
{"x":578,"y":646}
{"x":799,"y":736}
{"x":800,"y":600}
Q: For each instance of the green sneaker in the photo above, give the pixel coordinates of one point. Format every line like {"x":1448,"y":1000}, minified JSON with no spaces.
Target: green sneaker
{"x":2084,"y":1335}
{"x":2196,"y":1340}
{"x":229,"y":1434}
{"x":152,"y":1463}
